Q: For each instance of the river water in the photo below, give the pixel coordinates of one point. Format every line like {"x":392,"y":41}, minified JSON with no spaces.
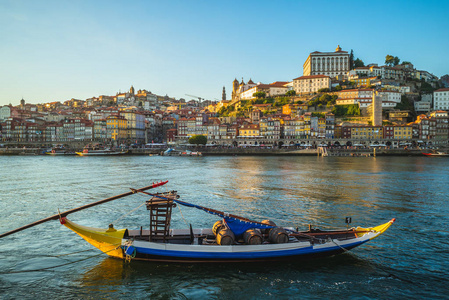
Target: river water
{"x":411,"y":259}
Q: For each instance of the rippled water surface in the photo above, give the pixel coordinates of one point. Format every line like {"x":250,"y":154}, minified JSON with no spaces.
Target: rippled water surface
{"x":411,"y":260}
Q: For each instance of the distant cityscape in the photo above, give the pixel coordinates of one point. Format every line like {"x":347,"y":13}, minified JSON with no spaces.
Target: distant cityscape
{"x":337,"y":101}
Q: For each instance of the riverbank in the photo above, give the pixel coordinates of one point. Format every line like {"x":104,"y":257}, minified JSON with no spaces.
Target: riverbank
{"x":250,"y":152}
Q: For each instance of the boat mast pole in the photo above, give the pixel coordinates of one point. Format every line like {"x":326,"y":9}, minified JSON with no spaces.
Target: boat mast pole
{"x":65,"y":213}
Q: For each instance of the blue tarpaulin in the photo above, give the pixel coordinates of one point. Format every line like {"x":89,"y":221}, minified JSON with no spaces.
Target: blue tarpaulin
{"x":238,"y":225}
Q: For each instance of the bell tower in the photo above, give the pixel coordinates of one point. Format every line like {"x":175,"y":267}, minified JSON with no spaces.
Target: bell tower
{"x":235,"y":87}
{"x":223,"y":95}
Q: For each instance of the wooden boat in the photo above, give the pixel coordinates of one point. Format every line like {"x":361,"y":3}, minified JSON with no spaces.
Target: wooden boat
{"x":231,"y":239}
{"x":59,"y":150}
{"x":100,"y":152}
{"x":92,"y":151}
{"x":437,"y":153}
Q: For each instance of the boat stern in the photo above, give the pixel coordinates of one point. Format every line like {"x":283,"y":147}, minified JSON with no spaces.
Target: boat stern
{"x":378,"y":230}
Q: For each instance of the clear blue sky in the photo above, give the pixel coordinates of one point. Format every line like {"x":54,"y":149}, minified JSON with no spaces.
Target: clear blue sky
{"x":58,"y":50}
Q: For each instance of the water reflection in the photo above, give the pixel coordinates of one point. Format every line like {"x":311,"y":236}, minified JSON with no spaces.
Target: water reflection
{"x":292,"y":191}
{"x":112,"y":277}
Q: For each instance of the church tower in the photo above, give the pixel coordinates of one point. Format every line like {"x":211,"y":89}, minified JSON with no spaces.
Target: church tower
{"x":235,"y":87}
{"x":223,"y":95}
{"x":131,"y":90}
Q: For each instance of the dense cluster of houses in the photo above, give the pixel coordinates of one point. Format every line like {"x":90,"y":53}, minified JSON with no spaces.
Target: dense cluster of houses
{"x":290,"y":125}
{"x":142,"y":117}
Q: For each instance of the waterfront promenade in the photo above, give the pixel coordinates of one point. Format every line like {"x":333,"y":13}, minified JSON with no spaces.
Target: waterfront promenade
{"x":253,"y":151}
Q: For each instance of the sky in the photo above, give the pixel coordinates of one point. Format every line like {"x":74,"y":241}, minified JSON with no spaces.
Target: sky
{"x":58,"y":50}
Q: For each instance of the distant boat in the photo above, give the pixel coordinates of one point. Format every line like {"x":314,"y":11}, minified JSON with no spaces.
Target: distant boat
{"x":437,"y":153}
{"x":99,"y":151}
{"x":174,"y":152}
{"x":59,"y":150}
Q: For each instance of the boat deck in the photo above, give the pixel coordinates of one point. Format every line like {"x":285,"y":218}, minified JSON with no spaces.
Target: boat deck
{"x":206,"y":236}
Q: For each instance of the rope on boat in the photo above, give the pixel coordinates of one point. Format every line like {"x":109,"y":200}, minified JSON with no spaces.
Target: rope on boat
{"x":373,"y":264}
{"x":66,"y":254}
{"x":182,"y":216}
{"x":61,"y":265}
{"x":130,"y":212}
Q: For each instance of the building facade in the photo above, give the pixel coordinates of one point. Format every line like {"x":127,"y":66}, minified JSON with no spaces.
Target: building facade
{"x":311,"y":84}
{"x":331,"y":64}
{"x":441,"y":99}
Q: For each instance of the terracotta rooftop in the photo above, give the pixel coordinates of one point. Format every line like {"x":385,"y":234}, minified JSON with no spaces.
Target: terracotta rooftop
{"x":311,"y":77}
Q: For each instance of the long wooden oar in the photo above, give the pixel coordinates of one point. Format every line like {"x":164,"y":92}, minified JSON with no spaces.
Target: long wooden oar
{"x":65,"y":213}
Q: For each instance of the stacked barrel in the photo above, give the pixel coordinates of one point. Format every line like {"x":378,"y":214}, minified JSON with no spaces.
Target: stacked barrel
{"x":253,"y":236}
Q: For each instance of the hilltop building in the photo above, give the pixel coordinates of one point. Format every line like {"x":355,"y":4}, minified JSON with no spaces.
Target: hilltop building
{"x":239,"y":88}
{"x":271,"y":90}
{"x":331,"y":64}
{"x":311,"y":84}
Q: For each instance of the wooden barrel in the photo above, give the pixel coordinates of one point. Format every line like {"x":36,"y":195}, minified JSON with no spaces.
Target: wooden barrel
{"x":217,"y":227}
{"x":267,"y":222}
{"x":278,"y":236}
{"x":252,"y":237}
{"x":225,"y":237}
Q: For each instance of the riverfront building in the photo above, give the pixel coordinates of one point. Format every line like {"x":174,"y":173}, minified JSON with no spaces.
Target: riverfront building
{"x":441,"y":99}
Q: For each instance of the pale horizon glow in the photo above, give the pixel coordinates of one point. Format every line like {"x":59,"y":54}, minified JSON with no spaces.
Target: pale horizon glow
{"x":58,"y":50}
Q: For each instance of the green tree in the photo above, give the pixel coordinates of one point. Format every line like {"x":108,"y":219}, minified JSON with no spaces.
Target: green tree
{"x":353,"y":110}
{"x":323,"y":90}
{"x":281,"y":101}
{"x":426,"y":87}
{"x":405,"y":104}
{"x":337,"y":88}
{"x":358,"y":63}
{"x":346,"y":110}
{"x":318,"y":114}
{"x":259,"y":95}
{"x":389,"y":60}
{"x":396,"y":61}
{"x":268,"y":100}
{"x":392,"y":60}
{"x":351,"y":60}
{"x":198,"y":139}
{"x":291,"y":93}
